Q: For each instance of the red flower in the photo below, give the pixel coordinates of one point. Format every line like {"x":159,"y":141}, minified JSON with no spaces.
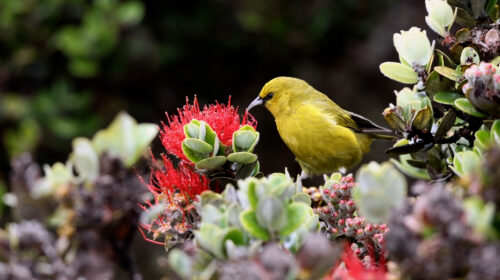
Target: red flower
{"x":176,"y":188}
{"x":223,"y":119}
{"x":354,"y":269}
{"x":166,"y":181}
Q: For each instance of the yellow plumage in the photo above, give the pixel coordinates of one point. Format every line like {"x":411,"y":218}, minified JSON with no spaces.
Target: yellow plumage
{"x":323,"y":136}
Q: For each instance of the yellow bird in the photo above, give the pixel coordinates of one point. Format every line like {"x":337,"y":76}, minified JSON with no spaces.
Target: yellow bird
{"x":323,"y":137}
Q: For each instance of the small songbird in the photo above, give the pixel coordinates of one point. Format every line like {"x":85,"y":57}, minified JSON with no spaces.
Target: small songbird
{"x":323,"y":137}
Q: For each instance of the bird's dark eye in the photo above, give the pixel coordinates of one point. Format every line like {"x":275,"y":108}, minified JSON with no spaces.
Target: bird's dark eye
{"x":268,"y":96}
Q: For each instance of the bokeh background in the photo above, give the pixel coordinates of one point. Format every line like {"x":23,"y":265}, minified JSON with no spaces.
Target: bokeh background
{"x":68,"y":67}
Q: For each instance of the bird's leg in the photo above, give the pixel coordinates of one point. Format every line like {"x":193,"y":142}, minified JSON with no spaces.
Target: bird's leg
{"x":343,"y":171}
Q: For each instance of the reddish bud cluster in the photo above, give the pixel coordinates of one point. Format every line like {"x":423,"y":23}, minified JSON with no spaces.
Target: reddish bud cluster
{"x":340,"y":219}
{"x":223,"y":119}
{"x":483,"y":77}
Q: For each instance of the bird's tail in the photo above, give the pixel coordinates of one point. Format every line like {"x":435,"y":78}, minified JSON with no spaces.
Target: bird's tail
{"x":383,"y":136}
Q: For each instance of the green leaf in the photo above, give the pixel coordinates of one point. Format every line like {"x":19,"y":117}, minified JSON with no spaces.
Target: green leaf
{"x":180,"y":262}
{"x":243,"y":140}
{"x":409,"y":170}
{"x":462,"y":35}
{"x":423,"y":119}
{"x":192,"y":155}
{"x":271,"y":214}
{"x":197,"y":145}
{"x":456,"y":52}
{"x":417,"y":163}
{"x":464,"y":105}
{"x":234,"y":235}
{"x":495,"y":132}
{"x":209,"y":236}
{"x":242,"y":157}
{"x":445,"y":124}
{"x":495,"y":61}
{"x":296,"y":214}
{"x":469,"y":56}
{"x":467,"y":162}
{"x":464,"y":18}
{"x":477,"y":7}
{"x":447,"y":97}
{"x":490,"y":5}
{"x":379,"y":189}
{"x":480,"y":215}
{"x":392,"y":118}
{"x":312,"y":224}
{"x":436,"y":83}
{"x":446,"y":59}
{"x":192,"y":129}
{"x":211,"y":163}
{"x":144,"y":134}
{"x":84,"y":159}
{"x":249,"y":222}
{"x":302,"y":197}
{"x":399,"y":72}
{"x":251,"y":191}
{"x":449,"y":73}
{"x":483,"y":139}
{"x":124,"y":138}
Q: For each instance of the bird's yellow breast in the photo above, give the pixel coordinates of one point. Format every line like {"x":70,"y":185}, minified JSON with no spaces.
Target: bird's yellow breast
{"x":320,"y":144}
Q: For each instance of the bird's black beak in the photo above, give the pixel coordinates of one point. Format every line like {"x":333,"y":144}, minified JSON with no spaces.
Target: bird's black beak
{"x":257,"y":101}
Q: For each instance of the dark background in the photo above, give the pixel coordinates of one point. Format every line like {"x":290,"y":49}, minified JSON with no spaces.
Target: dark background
{"x":68,"y":67}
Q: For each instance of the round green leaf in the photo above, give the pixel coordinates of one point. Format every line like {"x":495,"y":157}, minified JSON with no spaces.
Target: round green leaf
{"x":244,"y":139}
{"x":271,"y":213}
{"x":464,"y":105}
{"x":423,"y":119}
{"x":297,"y":214}
{"x":234,"y":235}
{"x":449,"y":73}
{"x":251,"y":225}
{"x":302,"y":197}
{"x":242,"y":157}
{"x":447,"y":97}
{"x":399,"y":72}
{"x":483,"y":139}
{"x":469,"y":56}
{"x":211,"y":162}
{"x":436,"y":83}
{"x":197,"y":145}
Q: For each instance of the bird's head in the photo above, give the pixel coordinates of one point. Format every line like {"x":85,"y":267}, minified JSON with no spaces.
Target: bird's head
{"x":278,"y":94}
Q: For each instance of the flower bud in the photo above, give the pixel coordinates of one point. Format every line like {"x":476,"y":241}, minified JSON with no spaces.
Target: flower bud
{"x":483,"y":88}
{"x":414,"y":107}
{"x":440,"y":16}
{"x":85,"y":159}
{"x":245,"y":139}
{"x":413,"y":46}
